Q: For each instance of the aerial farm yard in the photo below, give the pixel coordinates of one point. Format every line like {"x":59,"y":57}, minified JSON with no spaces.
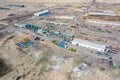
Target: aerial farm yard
{"x":44,"y":40}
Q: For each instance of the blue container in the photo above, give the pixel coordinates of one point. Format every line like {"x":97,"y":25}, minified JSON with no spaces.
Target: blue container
{"x":43,"y":12}
{"x":26,"y":25}
{"x":61,"y":45}
{"x":23,"y":43}
{"x":29,"y":43}
{"x":26,"y":43}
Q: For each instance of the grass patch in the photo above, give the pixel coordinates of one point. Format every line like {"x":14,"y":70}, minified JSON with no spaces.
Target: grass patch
{"x":46,"y":55}
{"x":76,"y":61}
{"x":69,"y":76}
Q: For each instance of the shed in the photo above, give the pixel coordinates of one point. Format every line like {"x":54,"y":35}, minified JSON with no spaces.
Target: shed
{"x":63,"y":24}
{"x":16,"y":5}
{"x":68,"y":35}
{"x":56,"y":33}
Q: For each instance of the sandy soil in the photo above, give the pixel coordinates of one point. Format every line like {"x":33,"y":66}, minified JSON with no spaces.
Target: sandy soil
{"x":62,"y":1}
{"x":25,"y":68}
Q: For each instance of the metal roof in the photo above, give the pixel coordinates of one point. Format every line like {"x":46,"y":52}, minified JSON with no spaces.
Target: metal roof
{"x":42,"y":12}
{"x":89,"y":44}
{"x":67,"y":34}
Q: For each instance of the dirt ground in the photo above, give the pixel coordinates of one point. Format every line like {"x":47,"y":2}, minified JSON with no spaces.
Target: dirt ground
{"x":63,"y":1}
{"x":26,"y":67}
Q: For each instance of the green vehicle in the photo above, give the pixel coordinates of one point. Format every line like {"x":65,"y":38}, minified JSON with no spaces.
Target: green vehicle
{"x":114,"y":65}
{"x":101,"y":30}
{"x":71,"y":49}
{"x":54,"y":41}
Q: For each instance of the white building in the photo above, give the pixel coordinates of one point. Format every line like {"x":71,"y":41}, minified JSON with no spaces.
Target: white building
{"x":110,"y":23}
{"x":42,"y":13}
{"x":102,"y":13}
{"x":84,"y":8}
{"x":87,"y":44}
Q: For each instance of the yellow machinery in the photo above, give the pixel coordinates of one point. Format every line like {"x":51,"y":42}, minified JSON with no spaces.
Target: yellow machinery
{"x":25,"y":40}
